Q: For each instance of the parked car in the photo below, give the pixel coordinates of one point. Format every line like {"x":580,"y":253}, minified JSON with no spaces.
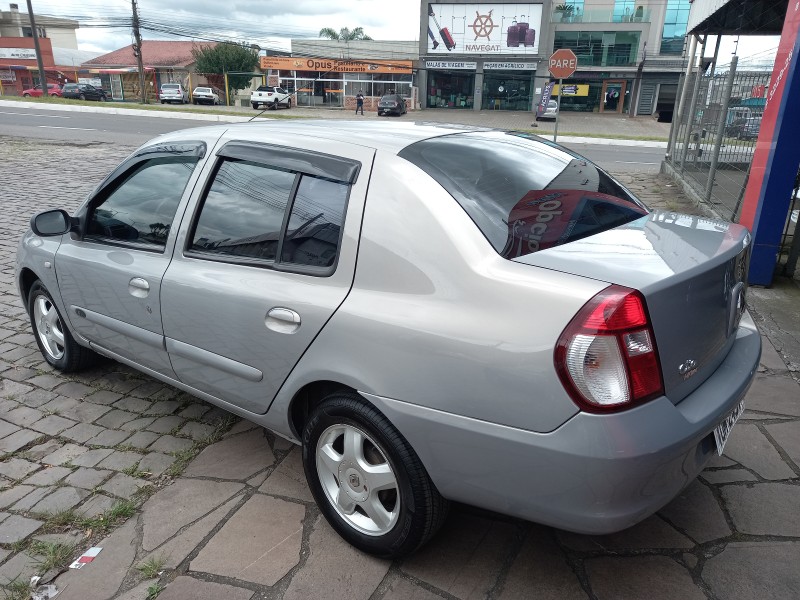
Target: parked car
{"x":83,"y":91}
{"x":53,"y":89}
{"x":550,"y":112}
{"x":173,"y":92}
{"x":392,"y":104}
{"x":270,"y":96}
{"x":744,"y":128}
{"x":206,"y":95}
{"x":520,"y":332}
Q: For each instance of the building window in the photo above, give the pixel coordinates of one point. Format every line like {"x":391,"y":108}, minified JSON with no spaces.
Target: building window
{"x":600,"y":48}
{"x":675,"y":21}
{"x":28,"y":32}
{"x":624,"y":10}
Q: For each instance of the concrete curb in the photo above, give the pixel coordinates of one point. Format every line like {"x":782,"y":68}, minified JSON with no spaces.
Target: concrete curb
{"x":133,"y":112}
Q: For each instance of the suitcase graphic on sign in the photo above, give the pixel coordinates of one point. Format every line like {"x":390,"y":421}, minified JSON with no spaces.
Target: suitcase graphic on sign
{"x":512,"y":36}
{"x":530,"y":37}
{"x":448,"y":40}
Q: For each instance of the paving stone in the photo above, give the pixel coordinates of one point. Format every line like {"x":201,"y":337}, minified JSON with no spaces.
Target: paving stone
{"x":107,"y":570}
{"x":215,"y":416}
{"x":119,"y":461}
{"x":241,"y":426}
{"x":770,"y":358}
{"x":764,"y":508}
{"x":194,"y":411}
{"x":697,"y":513}
{"x":97,"y":504}
{"x":23,"y":416}
{"x":750,"y":448}
{"x":774,"y":394}
{"x":36,"y":398}
{"x":103,"y":397}
{"x":186,"y":588}
{"x":260,"y":543}
{"x":147,"y":389}
{"x":134,"y":405}
{"x":17,"y":468}
{"x":238,"y":457}
{"x":10,"y":388}
{"x":86,"y":412}
{"x":403,"y":589}
{"x":728,"y":476}
{"x":92,"y":457}
{"x":47,"y":381}
{"x":30,"y":500}
{"x":196,"y":431}
{"x":20,"y":568}
{"x":73,"y":389}
{"x":123,"y":486}
{"x":19,"y":373}
{"x":64,"y":454}
{"x":60,"y":405}
{"x":166,"y":393}
{"x":14,"y":494}
{"x":52,"y":425}
{"x":179,"y":504}
{"x":651,"y":533}
{"x":465,"y":557}
{"x":651,"y":577}
{"x":170,"y":443}
{"x":82,"y":432}
{"x":334,"y":569}
{"x":754,"y":571}
{"x":137,"y":424}
{"x":4,"y":554}
{"x":175,"y":551}
{"x":541,"y":566}
{"x":141,"y":439}
{"x":87,"y":479}
{"x":16,"y":528}
{"x":156,"y":463}
{"x":166,"y":424}
{"x":788,"y":437}
{"x":48,"y":476}
{"x":115,"y":418}
{"x":163,"y":407}
{"x":139,"y":592}
{"x":63,"y":498}
{"x":109,"y":438}
{"x":288,"y":479}
{"x":18,"y":439}
{"x":7,"y":428}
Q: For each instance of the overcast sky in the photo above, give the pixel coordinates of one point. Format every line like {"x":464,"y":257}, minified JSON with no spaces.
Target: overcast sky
{"x":272,"y":23}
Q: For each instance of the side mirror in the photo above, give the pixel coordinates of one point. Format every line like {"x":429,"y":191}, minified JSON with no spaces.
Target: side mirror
{"x":51,"y":223}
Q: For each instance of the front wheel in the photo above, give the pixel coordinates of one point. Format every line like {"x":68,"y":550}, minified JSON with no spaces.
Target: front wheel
{"x":367,"y":480}
{"x":26,"y":95}
{"x":82,"y":97}
{"x":102,"y":98}
{"x":55,"y":341}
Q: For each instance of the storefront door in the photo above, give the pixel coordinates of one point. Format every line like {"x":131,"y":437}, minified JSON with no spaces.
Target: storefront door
{"x":450,"y":89}
{"x":506,"y":91}
{"x":612,"y":99}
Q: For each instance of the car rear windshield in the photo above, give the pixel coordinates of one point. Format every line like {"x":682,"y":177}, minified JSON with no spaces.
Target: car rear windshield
{"x":202,"y":91}
{"x":170,"y":86}
{"x":523,"y":193}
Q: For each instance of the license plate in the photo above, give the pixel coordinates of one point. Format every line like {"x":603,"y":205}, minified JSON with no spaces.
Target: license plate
{"x":723,"y":430}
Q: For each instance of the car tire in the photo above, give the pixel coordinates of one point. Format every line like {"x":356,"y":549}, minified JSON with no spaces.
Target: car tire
{"x":274,"y":105}
{"x":255,"y":105}
{"x":103,"y":98}
{"x":52,"y":335}
{"x":54,"y":95}
{"x":82,"y":97}
{"x":392,"y":522}
{"x":26,"y":95}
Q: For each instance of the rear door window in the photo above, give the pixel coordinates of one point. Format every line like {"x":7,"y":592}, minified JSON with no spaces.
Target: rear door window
{"x":523,"y":193}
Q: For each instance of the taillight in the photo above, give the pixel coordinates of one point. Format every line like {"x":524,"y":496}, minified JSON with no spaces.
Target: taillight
{"x":607,"y":357}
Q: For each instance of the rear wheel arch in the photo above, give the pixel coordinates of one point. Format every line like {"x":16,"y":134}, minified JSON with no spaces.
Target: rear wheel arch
{"x":306,"y":400}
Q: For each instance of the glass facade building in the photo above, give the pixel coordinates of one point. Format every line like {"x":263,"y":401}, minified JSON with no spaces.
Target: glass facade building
{"x":600,"y":48}
{"x":675,"y":21}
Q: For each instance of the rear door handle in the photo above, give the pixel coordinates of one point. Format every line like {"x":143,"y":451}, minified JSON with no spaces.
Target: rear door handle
{"x":282,"y":320}
{"x":138,"y":287}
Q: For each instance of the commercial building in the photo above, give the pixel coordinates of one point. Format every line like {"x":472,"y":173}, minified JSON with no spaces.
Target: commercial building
{"x":493,"y":55}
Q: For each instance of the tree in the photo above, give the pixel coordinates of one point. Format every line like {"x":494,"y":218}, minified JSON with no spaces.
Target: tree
{"x":344,"y":34}
{"x":227,"y":57}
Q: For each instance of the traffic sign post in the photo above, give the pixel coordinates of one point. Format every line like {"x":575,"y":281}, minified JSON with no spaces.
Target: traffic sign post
{"x":562,"y":64}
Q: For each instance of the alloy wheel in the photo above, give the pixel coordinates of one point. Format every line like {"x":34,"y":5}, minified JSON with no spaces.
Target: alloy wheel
{"x":49,"y":327}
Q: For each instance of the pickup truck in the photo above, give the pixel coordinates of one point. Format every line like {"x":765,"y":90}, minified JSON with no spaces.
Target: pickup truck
{"x":270,"y":96}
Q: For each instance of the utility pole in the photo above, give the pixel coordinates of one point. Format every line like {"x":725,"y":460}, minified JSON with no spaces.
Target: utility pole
{"x":137,"y":51}
{"x":40,"y":64}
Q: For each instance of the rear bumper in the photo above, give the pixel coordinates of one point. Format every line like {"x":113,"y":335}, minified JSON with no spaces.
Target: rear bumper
{"x":594,"y":474}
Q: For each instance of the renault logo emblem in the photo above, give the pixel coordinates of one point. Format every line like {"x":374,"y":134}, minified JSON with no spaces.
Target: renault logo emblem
{"x":355,"y":481}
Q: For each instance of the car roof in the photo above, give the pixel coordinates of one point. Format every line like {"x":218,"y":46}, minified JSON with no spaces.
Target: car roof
{"x":381,"y":135}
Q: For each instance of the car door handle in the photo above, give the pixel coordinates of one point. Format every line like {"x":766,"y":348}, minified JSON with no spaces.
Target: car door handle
{"x":138,"y":287}
{"x":282,"y":320}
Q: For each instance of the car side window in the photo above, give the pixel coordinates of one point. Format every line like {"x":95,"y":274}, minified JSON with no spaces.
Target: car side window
{"x":312,"y":235}
{"x":141,"y":208}
{"x":244,"y":210}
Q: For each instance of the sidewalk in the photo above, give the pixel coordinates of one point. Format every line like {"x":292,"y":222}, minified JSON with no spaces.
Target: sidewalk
{"x":187,"y":501}
{"x":576,"y":128}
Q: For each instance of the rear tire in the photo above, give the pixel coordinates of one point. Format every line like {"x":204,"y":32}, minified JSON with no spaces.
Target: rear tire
{"x":53,"y":337}
{"x":82,"y":97}
{"x":255,"y":105}
{"x":367,"y":480}
{"x":26,"y":95}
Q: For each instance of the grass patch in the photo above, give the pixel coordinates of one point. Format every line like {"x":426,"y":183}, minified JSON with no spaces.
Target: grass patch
{"x":154,"y":590}
{"x":134,"y":471}
{"x":119,"y":511}
{"x":122,"y":509}
{"x":17,"y":589}
{"x":52,"y":555}
{"x":152,"y":566}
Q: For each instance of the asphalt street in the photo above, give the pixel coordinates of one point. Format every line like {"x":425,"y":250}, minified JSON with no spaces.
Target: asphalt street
{"x":130,"y":130}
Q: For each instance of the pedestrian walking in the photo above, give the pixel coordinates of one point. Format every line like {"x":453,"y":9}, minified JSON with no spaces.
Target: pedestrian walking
{"x":360,"y":102}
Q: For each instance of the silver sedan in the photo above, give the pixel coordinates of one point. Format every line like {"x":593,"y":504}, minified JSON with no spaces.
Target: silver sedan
{"x":435,"y":313}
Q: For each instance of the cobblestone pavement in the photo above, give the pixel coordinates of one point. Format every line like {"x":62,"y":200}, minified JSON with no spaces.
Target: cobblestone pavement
{"x":208,"y":506}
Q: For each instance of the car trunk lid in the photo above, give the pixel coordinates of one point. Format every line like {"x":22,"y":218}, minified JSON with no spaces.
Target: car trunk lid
{"x":691,"y":271}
